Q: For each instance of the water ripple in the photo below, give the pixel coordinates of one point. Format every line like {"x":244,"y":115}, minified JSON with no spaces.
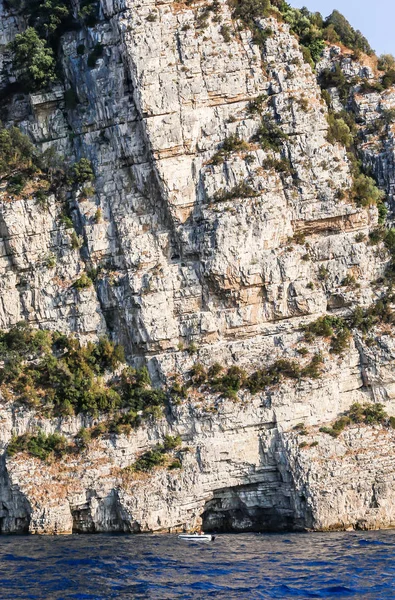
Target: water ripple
{"x":234,"y":567}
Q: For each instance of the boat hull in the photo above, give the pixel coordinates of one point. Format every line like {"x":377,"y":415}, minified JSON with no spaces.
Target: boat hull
{"x":196,"y":538}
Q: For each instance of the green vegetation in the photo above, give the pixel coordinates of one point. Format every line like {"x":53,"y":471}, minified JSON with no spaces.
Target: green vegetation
{"x":256,"y":106}
{"x":82,"y":172}
{"x":89,"y":12}
{"x":40,"y":445}
{"x":269,"y":135}
{"x":333,"y":327}
{"x":330,"y":78}
{"x":150,"y":459}
{"x":338,"y":29}
{"x":226,"y":33}
{"x":312,"y":30}
{"x":158,"y":456}
{"x":240,"y":190}
{"x":83,"y":282}
{"x":282,"y":165}
{"x":57,"y":375}
{"x":339,"y":131}
{"x":17,"y":153}
{"x":365,"y":191}
{"x":369,"y":414}
{"x":386,"y":62}
{"x":98,"y":216}
{"x":231,"y":144}
{"x":230,"y":381}
{"x":47,"y":172}
{"x":33,"y":59}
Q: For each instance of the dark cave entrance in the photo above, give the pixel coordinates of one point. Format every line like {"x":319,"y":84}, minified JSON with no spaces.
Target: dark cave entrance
{"x":254,"y":507}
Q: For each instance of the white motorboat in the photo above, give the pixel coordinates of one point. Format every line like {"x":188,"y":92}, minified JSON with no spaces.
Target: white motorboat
{"x":196,"y":537}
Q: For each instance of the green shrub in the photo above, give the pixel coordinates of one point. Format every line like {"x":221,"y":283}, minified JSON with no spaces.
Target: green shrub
{"x":256,"y":106}
{"x":338,"y":131}
{"x":371,"y":414}
{"x":98,"y":216}
{"x":41,"y":445}
{"x":192,"y":348}
{"x":52,"y":371}
{"x":171,"y":442}
{"x":16,"y":152}
{"x":83,"y":437}
{"x":282,"y":165}
{"x":16,"y":184}
{"x":388,"y":79}
{"x":365,"y":191}
{"x":82,"y":172}
{"x":198,"y":374}
{"x":340,"y":341}
{"x":240,"y":190}
{"x":330,"y":431}
{"x":325,"y":326}
{"x":249,"y":10}
{"x":214,"y":371}
{"x":89,"y":12}
{"x":50,"y":261}
{"x":76,"y":241}
{"x":316,"y":48}
{"x":335,"y":78}
{"x":313,"y":369}
{"x":269,"y":135}
{"x":65,"y":220}
{"x":226,"y":33}
{"x":231,"y":144}
{"x":385,"y":62}
{"x":33,"y":60}
{"x":323,"y":273}
{"x":150,"y":459}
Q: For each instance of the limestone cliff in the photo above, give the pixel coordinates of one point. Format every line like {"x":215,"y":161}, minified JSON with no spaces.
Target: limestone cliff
{"x":231,"y":253}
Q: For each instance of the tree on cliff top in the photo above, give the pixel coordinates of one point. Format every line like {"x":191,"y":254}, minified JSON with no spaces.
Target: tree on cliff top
{"x":347,"y":35}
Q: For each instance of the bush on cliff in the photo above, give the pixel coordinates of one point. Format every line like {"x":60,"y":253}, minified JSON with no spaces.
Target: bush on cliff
{"x":40,"y":445}
{"x":369,"y":414}
{"x":17,"y":153}
{"x":338,"y":131}
{"x":33,"y":60}
{"x":55,"y":373}
{"x":365,"y":191}
{"x":269,"y":135}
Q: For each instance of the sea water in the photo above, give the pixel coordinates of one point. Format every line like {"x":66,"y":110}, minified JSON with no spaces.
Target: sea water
{"x":87,"y":567}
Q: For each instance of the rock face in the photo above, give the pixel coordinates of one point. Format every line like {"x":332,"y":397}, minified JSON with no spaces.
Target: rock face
{"x":189,"y":255}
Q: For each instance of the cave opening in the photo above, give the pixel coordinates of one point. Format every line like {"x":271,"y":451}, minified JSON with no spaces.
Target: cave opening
{"x":254,"y":507}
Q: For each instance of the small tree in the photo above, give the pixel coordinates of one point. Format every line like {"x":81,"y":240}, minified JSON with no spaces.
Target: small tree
{"x":82,"y":171}
{"x":33,"y":59}
{"x":365,"y":191}
{"x":386,"y":62}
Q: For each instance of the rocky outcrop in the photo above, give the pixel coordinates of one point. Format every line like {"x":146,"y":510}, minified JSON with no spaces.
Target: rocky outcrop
{"x":187,"y":254}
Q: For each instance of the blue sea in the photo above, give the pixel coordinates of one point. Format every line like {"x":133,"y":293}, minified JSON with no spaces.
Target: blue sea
{"x":93,"y":567}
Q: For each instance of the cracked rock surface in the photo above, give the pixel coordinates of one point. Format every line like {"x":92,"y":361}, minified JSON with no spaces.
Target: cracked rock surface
{"x":187,"y":260}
